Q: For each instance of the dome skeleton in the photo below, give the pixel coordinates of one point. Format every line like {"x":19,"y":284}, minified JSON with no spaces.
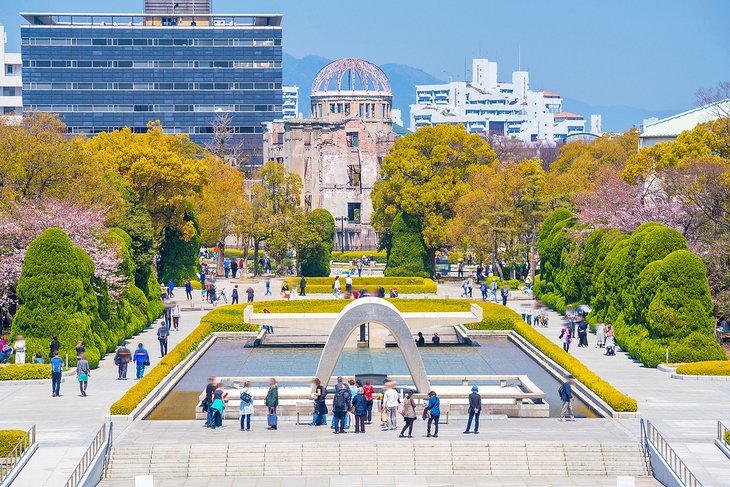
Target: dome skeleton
{"x":351,"y":70}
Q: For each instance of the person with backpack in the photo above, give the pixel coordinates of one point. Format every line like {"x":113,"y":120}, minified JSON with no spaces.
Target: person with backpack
{"x":320,"y":406}
{"x":121,"y":358}
{"x":341,"y":403}
{"x":504,"y":293}
{"x":359,"y":404}
{"x":246,"y":406}
{"x":56,"y":371}
{"x":272,"y":402}
{"x":163,"y":333}
{"x":475,"y":409}
{"x":408,"y":411}
{"x":142,"y":359}
{"x":434,"y":414}
{"x":82,"y":374}
{"x":566,"y":395}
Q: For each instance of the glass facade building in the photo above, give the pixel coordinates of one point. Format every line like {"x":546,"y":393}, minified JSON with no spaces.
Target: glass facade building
{"x":104,"y":72}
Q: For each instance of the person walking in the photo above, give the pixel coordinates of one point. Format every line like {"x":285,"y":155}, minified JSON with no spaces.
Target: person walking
{"x":369,"y":392}
{"x":483,"y":290}
{"x":249,"y":295}
{"x":493,"y":290}
{"x":163,"y":333}
{"x":566,"y":336}
{"x":246,"y":406}
{"x":234,"y":295}
{"x":390,"y":404}
{"x":218,"y":407}
{"x":504,"y":292}
{"x":188,"y":289}
{"x":272,"y":402}
{"x":240,"y":266}
{"x":302,"y":286}
{"x":341,"y":403}
{"x":80,"y":349}
{"x":408,"y":411}
{"x":227,"y":267}
{"x":475,"y":410}
{"x":141,"y":359}
{"x":122,"y":359}
{"x":600,"y":335}
{"x":336,"y":287}
{"x":234,"y":269}
{"x":56,"y":371}
{"x":20,"y":349}
{"x":470,"y":287}
{"x":54,"y":347}
{"x":583,"y":334}
{"x":82,"y":374}
{"x":566,"y":395}
{"x":320,"y":405}
{"x":171,"y":289}
{"x":360,"y":406}
{"x":176,"y":316}
{"x":268,"y":288}
{"x":434,"y":414}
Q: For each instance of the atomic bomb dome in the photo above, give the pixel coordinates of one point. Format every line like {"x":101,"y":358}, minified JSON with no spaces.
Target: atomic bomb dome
{"x":352,"y":88}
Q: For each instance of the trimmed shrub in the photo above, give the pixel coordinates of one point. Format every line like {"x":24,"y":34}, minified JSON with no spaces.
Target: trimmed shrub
{"x":56,"y":296}
{"x":336,"y":305}
{"x":714,"y":367}
{"x":405,"y":285}
{"x":513,"y":284}
{"x":9,"y":439}
{"x":25,"y":372}
{"x":407,"y":255}
{"x":378,"y":256}
{"x":314,"y":260}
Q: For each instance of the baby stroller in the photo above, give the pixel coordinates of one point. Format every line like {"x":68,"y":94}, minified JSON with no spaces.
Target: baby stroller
{"x":610,"y":346}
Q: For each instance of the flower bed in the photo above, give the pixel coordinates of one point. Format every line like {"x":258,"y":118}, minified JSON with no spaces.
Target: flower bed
{"x":404,"y":285}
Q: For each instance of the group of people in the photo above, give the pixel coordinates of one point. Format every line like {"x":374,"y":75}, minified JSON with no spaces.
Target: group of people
{"x":421,"y":340}
{"x":351,"y":292}
{"x":604,"y":336}
{"x":231,"y":267}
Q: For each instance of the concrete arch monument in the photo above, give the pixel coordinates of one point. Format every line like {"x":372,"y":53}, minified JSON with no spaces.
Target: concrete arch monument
{"x":376,"y":310}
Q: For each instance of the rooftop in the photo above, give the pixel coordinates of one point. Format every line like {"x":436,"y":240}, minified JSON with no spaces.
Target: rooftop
{"x":152,"y":20}
{"x":568,"y":115}
{"x":676,"y":124}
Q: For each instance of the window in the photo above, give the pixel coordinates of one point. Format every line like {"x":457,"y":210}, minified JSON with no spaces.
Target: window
{"x":353,"y":212}
{"x":8,"y":69}
{"x":353,"y":176}
{"x":352,"y":139}
{"x":280,"y":138}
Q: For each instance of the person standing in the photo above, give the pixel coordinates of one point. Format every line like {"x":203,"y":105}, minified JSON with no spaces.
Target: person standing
{"x":348,"y":285}
{"x":246,"y":406}
{"x":272,"y":402}
{"x":470,"y":287}
{"x":176,"y":316}
{"x":249,"y":294}
{"x":390,"y":404}
{"x":460,"y":269}
{"x":188,"y":289}
{"x":600,"y":335}
{"x":369,"y":392}
{"x":340,"y":405}
{"x":218,"y":407}
{"x":234,"y":269}
{"x":359,"y":403}
{"x":163,"y":333}
{"x":122,"y":359}
{"x":434,"y":409}
{"x":336,"y":287}
{"x":208,"y":400}
{"x":141,"y":359}
{"x":234,"y":295}
{"x":359,"y":268}
{"x":82,"y":374}
{"x":583,"y":334}
{"x":320,"y":405}
{"x":566,"y":395}
{"x":20,"y":348}
{"x":504,"y":292}
{"x":227,"y":267}
{"x":475,"y":409}
{"x":483,"y":290}
{"x":56,"y":370}
{"x":240,"y":266}
{"x":80,"y":349}
{"x":566,"y":336}
{"x":408,"y":410}
{"x":302,"y":286}
{"x":54,"y":347}
{"x":171,"y":289}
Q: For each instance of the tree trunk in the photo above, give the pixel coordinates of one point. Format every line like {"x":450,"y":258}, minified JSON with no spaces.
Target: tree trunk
{"x":245,"y":243}
{"x":219,"y":270}
{"x":532,"y":262}
{"x":255,"y":258}
{"x":497,"y":265}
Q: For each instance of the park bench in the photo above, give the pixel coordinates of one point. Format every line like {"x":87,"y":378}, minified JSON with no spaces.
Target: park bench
{"x":723,"y":333}
{"x":306,"y":409}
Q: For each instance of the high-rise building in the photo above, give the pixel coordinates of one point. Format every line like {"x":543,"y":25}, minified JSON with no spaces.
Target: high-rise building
{"x":101,"y":72}
{"x":290,"y":104}
{"x":177,"y":7}
{"x":486,"y":105}
{"x":11,"y":82}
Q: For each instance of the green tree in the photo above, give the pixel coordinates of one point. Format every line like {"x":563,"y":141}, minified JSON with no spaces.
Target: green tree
{"x":315,"y":238}
{"x":178,"y":255}
{"x":407,"y":254}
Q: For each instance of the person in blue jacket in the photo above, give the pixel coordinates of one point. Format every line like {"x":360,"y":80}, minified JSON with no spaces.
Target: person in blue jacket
{"x":434,"y":408}
{"x":360,"y":404}
{"x":142,"y":359}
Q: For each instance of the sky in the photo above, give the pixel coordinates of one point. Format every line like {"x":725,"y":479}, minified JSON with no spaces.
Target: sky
{"x":651,"y":54}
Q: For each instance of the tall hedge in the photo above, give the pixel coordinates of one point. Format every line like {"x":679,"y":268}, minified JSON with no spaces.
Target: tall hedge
{"x":407,"y":254}
{"x":314,"y":261}
{"x":56,"y":296}
{"x":653,"y":290}
{"x":179,"y":255}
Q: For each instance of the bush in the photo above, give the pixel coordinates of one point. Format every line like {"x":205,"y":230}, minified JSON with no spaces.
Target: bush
{"x":407,"y":255}
{"x":513,"y":284}
{"x":378,"y":256}
{"x":314,"y":258}
{"x":714,"y":367}
{"x":9,"y":439}
{"x":405,"y":285}
{"x":336,"y":305}
{"x":25,"y":372}
{"x":178,"y":254}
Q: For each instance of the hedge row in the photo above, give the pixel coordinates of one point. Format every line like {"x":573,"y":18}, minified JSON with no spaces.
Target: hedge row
{"x":336,"y":305}
{"x":225,"y":318}
{"x":405,"y":285}
{"x":498,"y":317}
{"x":653,"y":290}
{"x":9,"y":439}
{"x":714,"y":367}
{"x":25,"y":372}
{"x":378,"y":256}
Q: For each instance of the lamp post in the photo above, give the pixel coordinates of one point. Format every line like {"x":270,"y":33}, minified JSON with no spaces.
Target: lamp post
{"x":342,"y":220}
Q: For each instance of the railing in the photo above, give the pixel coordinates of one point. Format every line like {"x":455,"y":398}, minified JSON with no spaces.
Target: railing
{"x":8,"y":463}
{"x":722,"y":433}
{"x":681,"y":471}
{"x":99,"y":438}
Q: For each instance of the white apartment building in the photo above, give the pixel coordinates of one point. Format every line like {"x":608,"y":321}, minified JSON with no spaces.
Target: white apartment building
{"x":504,"y":108}
{"x":11,"y":82}
{"x":290,"y":102}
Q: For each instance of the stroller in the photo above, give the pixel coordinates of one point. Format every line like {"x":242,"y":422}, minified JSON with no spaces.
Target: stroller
{"x":610,"y":346}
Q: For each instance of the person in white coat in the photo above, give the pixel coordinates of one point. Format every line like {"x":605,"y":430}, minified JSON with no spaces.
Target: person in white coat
{"x":246,"y":406}
{"x":20,"y":350}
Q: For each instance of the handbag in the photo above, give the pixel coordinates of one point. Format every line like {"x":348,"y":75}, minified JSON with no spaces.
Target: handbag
{"x":384,"y":416}
{"x":426,"y":414}
{"x":402,"y":409}
{"x":83,"y":377}
{"x":272,"y":420}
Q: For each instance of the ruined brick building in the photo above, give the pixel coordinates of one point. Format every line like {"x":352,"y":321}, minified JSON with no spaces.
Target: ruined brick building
{"x":338,"y":150}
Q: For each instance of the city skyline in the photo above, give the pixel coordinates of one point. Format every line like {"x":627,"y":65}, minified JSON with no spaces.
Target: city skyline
{"x":638,"y":49}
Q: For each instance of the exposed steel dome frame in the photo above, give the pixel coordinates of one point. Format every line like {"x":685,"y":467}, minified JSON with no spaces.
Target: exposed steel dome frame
{"x":351,"y":74}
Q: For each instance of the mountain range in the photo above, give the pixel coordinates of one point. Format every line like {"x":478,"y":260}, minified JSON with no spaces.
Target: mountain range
{"x":404,"y":78}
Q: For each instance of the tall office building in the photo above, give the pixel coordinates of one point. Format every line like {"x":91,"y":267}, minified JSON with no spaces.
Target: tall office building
{"x":11,"y":101}
{"x":177,"y":7}
{"x":101,"y":72}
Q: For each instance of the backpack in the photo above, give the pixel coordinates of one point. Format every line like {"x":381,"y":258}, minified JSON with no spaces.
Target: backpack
{"x":246,"y":397}
{"x":561,"y":391}
{"x":340,"y":401}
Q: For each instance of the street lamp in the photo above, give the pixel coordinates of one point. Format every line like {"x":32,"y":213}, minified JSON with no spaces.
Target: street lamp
{"x":342,"y":220}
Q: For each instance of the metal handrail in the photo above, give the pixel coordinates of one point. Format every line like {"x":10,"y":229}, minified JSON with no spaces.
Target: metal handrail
{"x":722,"y":433}
{"x":109,"y":441}
{"x":8,"y":463}
{"x":88,"y":456}
{"x":683,"y":473}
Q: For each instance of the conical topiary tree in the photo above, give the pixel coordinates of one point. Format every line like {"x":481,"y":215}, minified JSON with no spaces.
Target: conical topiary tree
{"x":407,"y":254}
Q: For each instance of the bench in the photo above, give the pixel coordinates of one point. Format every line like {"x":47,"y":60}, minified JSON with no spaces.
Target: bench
{"x":306,"y":409}
{"x":723,"y":333}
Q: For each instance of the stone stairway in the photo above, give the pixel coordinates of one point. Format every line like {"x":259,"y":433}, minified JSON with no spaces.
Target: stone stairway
{"x":383,"y":458}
